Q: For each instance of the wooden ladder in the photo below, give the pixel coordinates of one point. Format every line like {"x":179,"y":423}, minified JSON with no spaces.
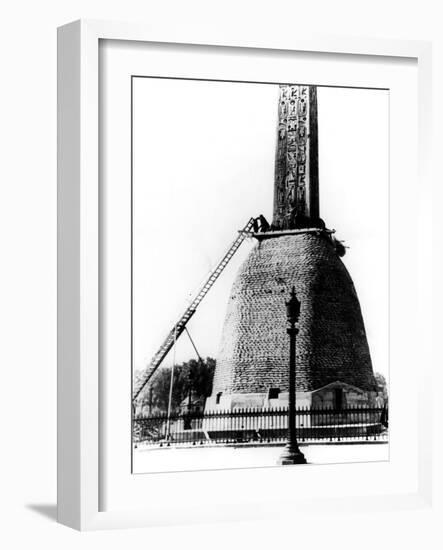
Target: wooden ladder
{"x":180,"y":325}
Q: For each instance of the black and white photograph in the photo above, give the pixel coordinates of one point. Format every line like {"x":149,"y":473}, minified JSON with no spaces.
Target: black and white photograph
{"x":222,"y":275}
{"x":260,"y":274}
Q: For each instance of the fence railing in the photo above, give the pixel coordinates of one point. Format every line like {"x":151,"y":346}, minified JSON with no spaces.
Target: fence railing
{"x":261,"y":426}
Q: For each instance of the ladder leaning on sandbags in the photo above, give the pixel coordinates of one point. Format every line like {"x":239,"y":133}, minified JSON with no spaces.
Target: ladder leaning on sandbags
{"x":180,"y":325}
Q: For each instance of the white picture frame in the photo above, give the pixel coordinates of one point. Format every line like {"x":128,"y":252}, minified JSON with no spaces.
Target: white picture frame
{"x":79,"y":370}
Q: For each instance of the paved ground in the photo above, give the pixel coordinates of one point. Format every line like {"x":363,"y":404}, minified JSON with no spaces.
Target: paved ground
{"x":201,"y":458}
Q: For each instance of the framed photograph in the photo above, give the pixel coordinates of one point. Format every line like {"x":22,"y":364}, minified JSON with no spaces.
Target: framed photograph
{"x":241,"y":280}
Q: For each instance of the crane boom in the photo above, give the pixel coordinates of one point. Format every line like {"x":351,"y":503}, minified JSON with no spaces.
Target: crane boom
{"x":180,"y":325}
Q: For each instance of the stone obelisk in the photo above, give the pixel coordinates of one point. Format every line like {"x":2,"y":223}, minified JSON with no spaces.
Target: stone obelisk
{"x":332,"y":349}
{"x":296,"y":192}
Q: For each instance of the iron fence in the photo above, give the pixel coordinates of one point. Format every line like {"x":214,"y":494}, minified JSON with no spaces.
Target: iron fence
{"x":261,"y":426}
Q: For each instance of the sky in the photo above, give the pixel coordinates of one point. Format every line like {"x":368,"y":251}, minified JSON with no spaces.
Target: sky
{"x":203,"y":164}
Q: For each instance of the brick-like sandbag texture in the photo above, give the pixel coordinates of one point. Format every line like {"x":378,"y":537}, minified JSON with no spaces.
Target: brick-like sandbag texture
{"x":331,"y":344}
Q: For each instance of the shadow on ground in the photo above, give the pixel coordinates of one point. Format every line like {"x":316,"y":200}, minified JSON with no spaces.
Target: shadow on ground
{"x":48,"y":511}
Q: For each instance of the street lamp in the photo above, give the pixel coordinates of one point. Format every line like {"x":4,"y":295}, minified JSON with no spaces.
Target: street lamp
{"x":291,"y":453}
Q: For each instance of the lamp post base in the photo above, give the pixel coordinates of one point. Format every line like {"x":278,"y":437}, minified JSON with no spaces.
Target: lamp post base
{"x":291,"y":455}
